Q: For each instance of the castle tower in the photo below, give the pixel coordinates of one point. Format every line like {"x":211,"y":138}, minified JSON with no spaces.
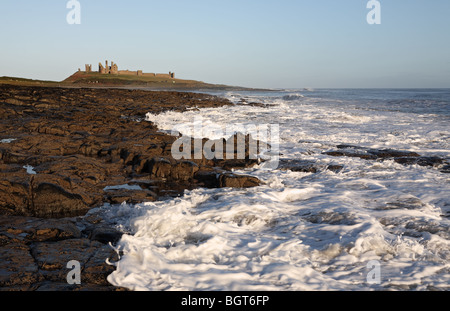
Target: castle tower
{"x":101,"y":69}
{"x":114,"y":69}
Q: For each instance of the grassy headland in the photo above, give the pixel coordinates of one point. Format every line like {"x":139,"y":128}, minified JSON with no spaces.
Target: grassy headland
{"x":95,"y":79}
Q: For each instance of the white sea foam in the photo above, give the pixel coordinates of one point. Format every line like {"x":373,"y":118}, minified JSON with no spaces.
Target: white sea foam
{"x":30,"y":169}
{"x":7,"y":140}
{"x":301,"y":231}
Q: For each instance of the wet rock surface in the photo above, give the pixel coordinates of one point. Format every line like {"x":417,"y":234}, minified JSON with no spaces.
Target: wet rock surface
{"x":34,"y":253}
{"x":305,"y":166}
{"x":398,"y":156}
{"x":64,"y":151}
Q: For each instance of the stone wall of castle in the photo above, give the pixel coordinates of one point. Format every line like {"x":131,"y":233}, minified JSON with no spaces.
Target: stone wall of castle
{"x":163,"y":75}
{"x":147,"y":74}
{"x":128,"y":73}
{"x":114,"y":69}
{"x":139,"y":73}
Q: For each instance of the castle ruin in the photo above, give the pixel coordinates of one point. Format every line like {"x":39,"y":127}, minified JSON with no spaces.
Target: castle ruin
{"x":108,"y":70}
{"x":114,"y":70}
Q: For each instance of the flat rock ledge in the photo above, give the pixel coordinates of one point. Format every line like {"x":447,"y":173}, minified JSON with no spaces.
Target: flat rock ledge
{"x":34,"y":254}
{"x":399,"y":156}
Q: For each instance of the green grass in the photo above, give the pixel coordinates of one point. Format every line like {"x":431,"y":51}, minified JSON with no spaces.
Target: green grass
{"x":23,"y":80}
{"x":97,"y":78}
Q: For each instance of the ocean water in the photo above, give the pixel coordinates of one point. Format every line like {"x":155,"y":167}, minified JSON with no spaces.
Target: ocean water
{"x":372,"y":226}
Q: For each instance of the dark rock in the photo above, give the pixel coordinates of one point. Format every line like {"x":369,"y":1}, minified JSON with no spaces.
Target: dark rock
{"x":130,"y":196}
{"x":77,"y":146}
{"x":298,"y":166}
{"x":430,"y":161}
{"x":50,"y":200}
{"x":34,"y":253}
{"x":336,"y":168}
{"x":401,"y":157}
{"x":383,"y":153}
{"x":105,"y":235}
{"x":160,"y":168}
{"x":237,"y":181}
{"x":306,"y":166}
{"x":78,"y":142}
{"x":208,"y":179}
{"x":446,"y":169}
{"x":352,"y":154}
{"x":422,"y":161}
{"x":14,"y":194}
{"x":52,"y":258}
{"x":184,"y":170}
{"x":235,"y":164}
{"x":26,"y":229}
{"x":390,"y":153}
{"x":367,"y":153}
{"x":13,"y":101}
{"x":221,"y":179}
{"x":17,"y":266}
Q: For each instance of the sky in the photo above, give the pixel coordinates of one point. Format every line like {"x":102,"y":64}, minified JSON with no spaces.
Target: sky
{"x":252,"y":43}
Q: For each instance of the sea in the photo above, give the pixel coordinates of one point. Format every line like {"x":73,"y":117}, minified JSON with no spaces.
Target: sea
{"x":373,"y":225}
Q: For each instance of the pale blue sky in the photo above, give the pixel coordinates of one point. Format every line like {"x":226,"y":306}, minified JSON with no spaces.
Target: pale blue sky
{"x":254,"y":43}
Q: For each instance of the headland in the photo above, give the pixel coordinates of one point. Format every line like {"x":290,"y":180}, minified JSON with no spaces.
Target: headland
{"x":108,"y":75}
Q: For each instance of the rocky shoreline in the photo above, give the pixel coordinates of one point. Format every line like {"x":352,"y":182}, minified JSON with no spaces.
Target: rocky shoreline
{"x":64,"y":151}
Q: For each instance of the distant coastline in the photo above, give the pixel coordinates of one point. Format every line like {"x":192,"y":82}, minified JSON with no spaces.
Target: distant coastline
{"x":83,"y":79}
